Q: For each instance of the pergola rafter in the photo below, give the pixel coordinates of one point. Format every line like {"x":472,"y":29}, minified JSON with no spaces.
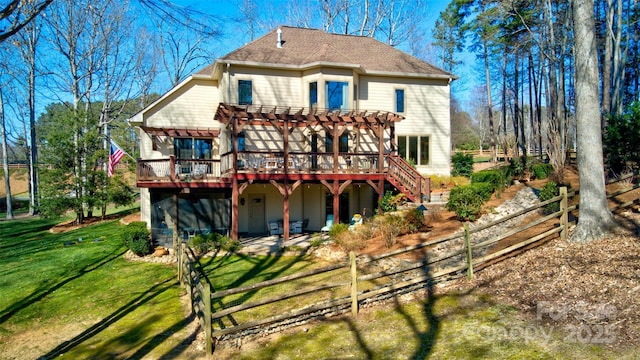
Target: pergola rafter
{"x":285,"y":119}
{"x":303,"y":117}
{"x":176,"y":132}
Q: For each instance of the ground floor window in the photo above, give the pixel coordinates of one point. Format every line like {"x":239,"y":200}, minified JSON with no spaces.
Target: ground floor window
{"x":414,"y":148}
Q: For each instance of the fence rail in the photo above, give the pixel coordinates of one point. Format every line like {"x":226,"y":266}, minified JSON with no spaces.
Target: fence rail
{"x":273,"y":305}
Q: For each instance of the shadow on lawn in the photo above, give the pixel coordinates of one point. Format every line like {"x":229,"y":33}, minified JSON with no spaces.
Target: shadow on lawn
{"x":264,"y":268}
{"x":133,"y":335}
{"x":426,"y":339}
{"x":40,"y":293}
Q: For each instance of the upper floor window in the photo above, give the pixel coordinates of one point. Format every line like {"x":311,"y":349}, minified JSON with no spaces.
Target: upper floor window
{"x":190,"y":148}
{"x":399,"y":100}
{"x":245,"y":94}
{"x":414,"y":149}
{"x":337,"y":95}
{"x":313,"y":95}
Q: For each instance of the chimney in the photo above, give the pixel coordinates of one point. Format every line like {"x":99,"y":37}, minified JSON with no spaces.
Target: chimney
{"x":279,"y":43}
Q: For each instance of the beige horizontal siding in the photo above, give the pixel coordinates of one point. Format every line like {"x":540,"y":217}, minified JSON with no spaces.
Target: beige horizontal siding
{"x":426,"y":113}
{"x":193,"y":105}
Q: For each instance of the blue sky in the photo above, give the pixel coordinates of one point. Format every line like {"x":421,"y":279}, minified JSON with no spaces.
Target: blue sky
{"x":232,"y":38}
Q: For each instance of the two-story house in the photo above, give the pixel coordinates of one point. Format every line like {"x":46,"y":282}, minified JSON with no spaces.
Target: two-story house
{"x":293,"y":130}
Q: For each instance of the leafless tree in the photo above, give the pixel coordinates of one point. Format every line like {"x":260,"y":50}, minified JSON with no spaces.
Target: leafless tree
{"x":182,"y":52}
{"x":18,"y":13}
{"x":26,"y":43}
{"x":5,"y":158}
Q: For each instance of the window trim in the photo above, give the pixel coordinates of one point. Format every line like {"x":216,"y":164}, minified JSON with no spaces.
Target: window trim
{"x":193,"y":148}
{"x":407,"y":145}
{"x":345,"y":94}
{"x":312,"y":104}
{"x":245,"y":82}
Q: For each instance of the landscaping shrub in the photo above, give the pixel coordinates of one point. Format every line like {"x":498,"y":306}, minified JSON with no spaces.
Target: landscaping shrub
{"x":485,"y":190}
{"x":204,"y":243}
{"x":347,"y":240}
{"x":518,"y":166}
{"x":389,"y":227}
{"x":541,"y":171}
{"x":496,"y":178}
{"x":462,"y":164}
{"x":201,"y":243}
{"x":390,"y":202}
{"x":466,"y":201}
{"x":227,"y":243}
{"x":137,"y":238}
{"x":548,"y":191}
{"x":621,"y":150}
{"x":413,"y":220}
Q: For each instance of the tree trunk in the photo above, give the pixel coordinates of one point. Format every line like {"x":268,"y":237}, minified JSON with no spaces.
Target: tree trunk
{"x":5,"y":159}
{"x":492,"y":132}
{"x":595,"y":221}
{"x":606,"y":60}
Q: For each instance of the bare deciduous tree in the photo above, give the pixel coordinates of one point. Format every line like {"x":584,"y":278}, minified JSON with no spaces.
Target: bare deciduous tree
{"x":16,"y":14}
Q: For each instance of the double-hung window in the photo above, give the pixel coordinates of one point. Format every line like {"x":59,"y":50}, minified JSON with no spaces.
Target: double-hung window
{"x":245,"y":93}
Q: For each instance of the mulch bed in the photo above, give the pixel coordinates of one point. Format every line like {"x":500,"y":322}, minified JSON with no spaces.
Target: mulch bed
{"x":590,"y":290}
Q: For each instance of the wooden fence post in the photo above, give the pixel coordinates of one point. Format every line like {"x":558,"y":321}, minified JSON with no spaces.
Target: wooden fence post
{"x":181,"y":264}
{"x":564,"y":217}
{"x":354,"y":284}
{"x":206,"y":298}
{"x":467,"y":244}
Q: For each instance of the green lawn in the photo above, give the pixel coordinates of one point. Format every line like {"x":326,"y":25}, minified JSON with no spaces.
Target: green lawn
{"x":70,"y":299}
{"x":455,"y":326}
{"x":62,"y":297}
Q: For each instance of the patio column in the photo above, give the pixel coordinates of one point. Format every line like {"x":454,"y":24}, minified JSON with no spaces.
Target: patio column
{"x":285,"y":194}
{"x":235,"y":194}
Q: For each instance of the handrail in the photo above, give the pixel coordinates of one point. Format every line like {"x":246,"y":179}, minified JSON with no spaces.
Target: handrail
{"x":403,"y":175}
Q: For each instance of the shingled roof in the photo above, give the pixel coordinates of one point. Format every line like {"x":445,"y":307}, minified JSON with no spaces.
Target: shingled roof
{"x":303,"y":48}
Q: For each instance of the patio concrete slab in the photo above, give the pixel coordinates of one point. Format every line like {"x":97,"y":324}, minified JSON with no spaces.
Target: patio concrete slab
{"x":273,"y":244}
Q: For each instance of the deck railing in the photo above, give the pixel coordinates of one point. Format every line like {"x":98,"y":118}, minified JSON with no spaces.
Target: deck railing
{"x":173,"y":169}
{"x":301,"y":162}
{"x":397,"y":171}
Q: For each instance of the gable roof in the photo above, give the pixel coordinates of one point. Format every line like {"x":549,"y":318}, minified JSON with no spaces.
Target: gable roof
{"x":303,"y":48}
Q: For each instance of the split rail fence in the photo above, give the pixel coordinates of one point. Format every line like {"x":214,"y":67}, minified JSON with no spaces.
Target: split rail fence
{"x":276,"y":304}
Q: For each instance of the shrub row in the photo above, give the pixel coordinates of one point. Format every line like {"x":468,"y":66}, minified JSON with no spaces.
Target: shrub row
{"x":204,"y":243}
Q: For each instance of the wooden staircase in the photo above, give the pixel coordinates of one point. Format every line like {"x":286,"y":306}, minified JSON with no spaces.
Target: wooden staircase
{"x":407,"y":179}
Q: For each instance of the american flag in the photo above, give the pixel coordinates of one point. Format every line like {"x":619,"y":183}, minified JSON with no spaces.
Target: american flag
{"x":115,"y":155}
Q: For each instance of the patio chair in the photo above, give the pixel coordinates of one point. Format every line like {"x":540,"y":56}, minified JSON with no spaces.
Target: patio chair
{"x":328,"y":224}
{"x":275,"y":228}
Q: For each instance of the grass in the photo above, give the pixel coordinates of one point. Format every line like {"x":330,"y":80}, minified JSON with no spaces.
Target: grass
{"x":460,"y":326}
{"x":62,"y":297}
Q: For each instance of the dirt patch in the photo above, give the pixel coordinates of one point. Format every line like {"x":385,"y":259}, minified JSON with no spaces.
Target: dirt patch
{"x":73,"y":224}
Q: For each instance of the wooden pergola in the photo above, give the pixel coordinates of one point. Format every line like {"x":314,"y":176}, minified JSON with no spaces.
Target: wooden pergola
{"x":285,"y":120}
